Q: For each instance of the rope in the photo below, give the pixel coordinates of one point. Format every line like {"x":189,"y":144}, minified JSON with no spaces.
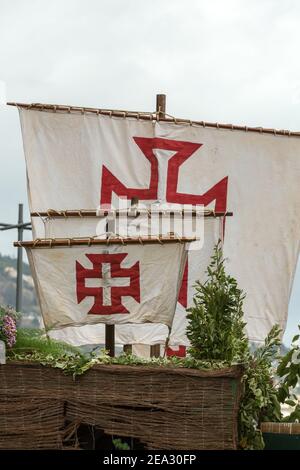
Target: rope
{"x":167,"y":341}
{"x":35,"y":242}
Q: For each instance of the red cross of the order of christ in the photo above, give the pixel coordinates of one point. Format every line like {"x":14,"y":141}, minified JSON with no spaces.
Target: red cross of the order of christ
{"x":217,"y":194}
{"x":107,"y":282}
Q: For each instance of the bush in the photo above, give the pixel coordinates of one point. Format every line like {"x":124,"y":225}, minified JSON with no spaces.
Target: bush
{"x":216,"y":327}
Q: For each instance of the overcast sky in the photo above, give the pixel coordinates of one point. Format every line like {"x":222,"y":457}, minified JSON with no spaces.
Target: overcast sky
{"x":228,"y":61}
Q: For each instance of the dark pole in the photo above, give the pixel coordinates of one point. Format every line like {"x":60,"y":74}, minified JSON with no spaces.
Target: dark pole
{"x":20,"y":261}
{"x":110,"y":329}
{"x":161,"y":105}
{"x":110,"y":339}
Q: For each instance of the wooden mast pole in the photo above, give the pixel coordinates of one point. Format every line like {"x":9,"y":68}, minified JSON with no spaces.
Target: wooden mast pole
{"x":110,"y":339}
{"x":161,"y":110}
{"x":110,"y":329}
{"x":161,"y":106}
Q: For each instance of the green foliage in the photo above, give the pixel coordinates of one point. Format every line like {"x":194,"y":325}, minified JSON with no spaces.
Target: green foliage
{"x":35,"y":340}
{"x":216,"y":327}
{"x":259,"y":400}
{"x":34,"y":346}
{"x":176,"y":362}
{"x":288,"y":370}
{"x":263,"y":397}
{"x":216,"y":332}
{"x":120,"y":445}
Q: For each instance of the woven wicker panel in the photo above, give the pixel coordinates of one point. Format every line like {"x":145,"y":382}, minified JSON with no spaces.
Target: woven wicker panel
{"x":164,"y":408}
{"x":31,"y":422}
{"x":281,"y":428}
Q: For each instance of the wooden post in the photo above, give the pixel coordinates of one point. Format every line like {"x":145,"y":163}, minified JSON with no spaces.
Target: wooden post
{"x":161,"y":105}
{"x":110,"y":339}
{"x":161,"y":110}
{"x":155,"y":350}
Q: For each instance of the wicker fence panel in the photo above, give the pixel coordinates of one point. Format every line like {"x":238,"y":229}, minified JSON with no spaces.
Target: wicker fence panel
{"x":31,"y":422}
{"x":164,"y":408}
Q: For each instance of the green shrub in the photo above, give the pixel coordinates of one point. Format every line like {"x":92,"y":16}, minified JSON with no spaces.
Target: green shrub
{"x":216,"y":326}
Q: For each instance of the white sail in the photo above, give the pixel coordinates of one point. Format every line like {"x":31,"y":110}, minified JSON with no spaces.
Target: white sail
{"x":114,"y":284}
{"x":77,"y":161}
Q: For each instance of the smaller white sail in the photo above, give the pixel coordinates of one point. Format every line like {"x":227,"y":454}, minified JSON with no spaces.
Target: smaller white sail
{"x":114,"y":284}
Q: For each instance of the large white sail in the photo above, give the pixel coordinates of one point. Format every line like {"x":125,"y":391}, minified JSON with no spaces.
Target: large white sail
{"x":77,"y":161}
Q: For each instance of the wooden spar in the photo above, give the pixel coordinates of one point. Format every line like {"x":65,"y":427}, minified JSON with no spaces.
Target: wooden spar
{"x":161,"y":113}
{"x":153,"y":117}
{"x":51,"y":213}
{"x":68,"y":242}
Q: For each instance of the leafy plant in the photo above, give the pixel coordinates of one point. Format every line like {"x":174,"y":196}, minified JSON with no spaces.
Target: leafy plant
{"x":216,"y":333}
{"x":34,"y":346}
{"x":30,"y":340}
{"x":268,"y":387}
{"x":216,"y":326}
{"x":288,"y":370}
{"x":120,"y":445}
{"x":260,"y":398}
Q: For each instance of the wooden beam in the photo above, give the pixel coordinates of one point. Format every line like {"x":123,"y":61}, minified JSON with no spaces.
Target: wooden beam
{"x":110,"y":339}
{"x":92,"y":213}
{"x":68,"y":242}
{"x":153,"y":116}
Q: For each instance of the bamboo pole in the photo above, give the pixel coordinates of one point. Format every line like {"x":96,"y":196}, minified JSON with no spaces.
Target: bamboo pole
{"x":69,"y":242}
{"x":92,"y":213}
{"x":148,"y":116}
